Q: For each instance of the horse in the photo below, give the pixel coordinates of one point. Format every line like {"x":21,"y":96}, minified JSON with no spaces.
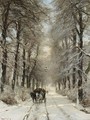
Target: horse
{"x":33,"y":96}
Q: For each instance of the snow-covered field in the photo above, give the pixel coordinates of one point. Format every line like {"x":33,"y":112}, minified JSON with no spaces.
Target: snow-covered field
{"x":57,"y":107}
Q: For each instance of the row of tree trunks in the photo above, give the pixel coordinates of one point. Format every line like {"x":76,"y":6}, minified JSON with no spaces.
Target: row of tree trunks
{"x":4,"y":46}
{"x":18,"y":25}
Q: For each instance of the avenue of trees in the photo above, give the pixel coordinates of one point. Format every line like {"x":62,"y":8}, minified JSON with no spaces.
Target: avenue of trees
{"x":21,"y":36}
{"x":69,"y":32}
{"x":20,"y":31}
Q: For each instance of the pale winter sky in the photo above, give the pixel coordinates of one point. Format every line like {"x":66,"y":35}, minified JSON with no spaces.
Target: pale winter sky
{"x":47,"y":1}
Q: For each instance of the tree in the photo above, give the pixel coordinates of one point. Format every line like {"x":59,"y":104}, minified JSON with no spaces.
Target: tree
{"x":5,"y":15}
{"x":71,"y":20}
{"x":20,"y":16}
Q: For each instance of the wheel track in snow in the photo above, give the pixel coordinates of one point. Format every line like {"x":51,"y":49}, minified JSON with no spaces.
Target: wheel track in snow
{"x":47,"y":114}
{"x":61,"y":110}
{"x":28,"y":112}
{"x":38,"y":105}
{"x":37,"y":112}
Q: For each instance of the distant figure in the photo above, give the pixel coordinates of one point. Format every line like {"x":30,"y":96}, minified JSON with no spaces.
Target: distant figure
{"x":33,"y":96}
{"x":47,"y":91}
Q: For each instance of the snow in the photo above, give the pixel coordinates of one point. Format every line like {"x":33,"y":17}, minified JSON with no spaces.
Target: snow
{"x":57,"y":107}
{"x":15,"y":112}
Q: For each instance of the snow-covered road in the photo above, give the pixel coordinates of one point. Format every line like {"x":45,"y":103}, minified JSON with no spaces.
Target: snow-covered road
{"x":57,"y":107}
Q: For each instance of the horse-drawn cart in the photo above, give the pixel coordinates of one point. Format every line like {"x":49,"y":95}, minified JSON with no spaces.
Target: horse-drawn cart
{"x":38,"y":95}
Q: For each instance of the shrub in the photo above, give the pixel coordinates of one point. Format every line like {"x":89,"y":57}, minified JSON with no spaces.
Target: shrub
{"x":8,"y":99}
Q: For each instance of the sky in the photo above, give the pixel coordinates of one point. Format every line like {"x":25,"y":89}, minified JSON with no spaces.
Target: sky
{"x":47,"y":1}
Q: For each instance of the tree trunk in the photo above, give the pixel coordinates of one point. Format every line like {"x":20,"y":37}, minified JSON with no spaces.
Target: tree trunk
{"x":33,"y":84}
{"x":37,"y":83}
{"x":16,"y":55}
{"x":69,"y":85}
{"x":74,"y":50}
{"x":58,"y":85}
{"x":4,"y":66}
{"x":64,"y":82}
{"x":15,"y":66}
{"x":28,"y":70}
{"x":24,"y":65}
{"x":28,"y":79}
{"x":80,"y":65}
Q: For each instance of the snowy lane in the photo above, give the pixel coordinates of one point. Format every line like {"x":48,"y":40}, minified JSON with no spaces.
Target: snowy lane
{"x":67,"y":108}
{"x":39,"y":112}
{"x":55,"y":112}
{"x":57,"y":107}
